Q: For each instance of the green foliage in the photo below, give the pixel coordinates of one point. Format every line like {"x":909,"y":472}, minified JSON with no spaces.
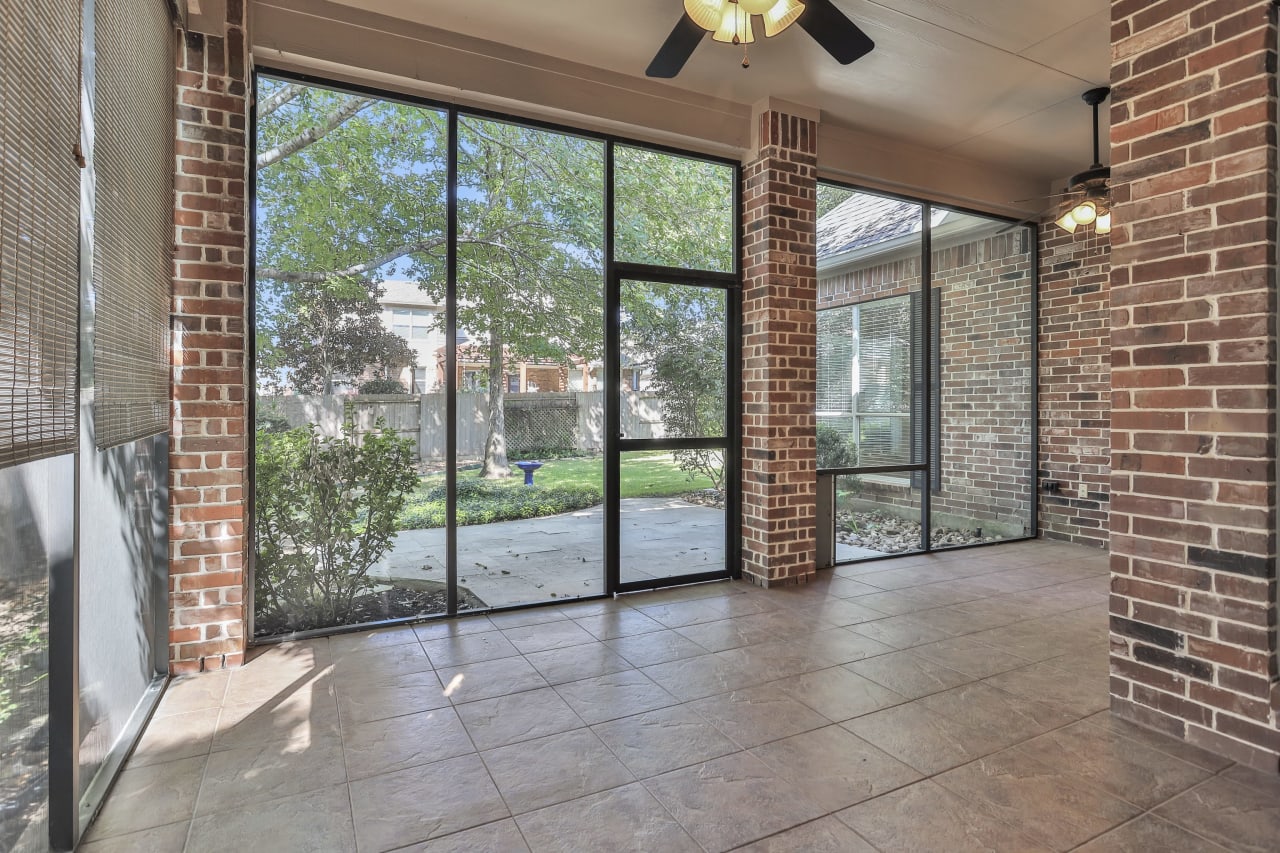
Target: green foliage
{"x":486,"y":501}
{"x":326,"y":512}
{"x":23,"y":658}
{"x":383,"y":386}
{"x":835,"y":449}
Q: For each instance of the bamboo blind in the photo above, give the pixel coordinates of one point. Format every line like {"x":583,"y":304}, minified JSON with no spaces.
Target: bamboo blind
{"x":133,"y":239}
{"x":39,"y":227}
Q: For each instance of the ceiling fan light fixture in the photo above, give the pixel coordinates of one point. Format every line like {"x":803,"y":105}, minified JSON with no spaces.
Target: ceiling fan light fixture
{"x":706,"y":13}
{"x":735,"y":26}
{"x":1068,"y":223}
{"x":1084,"y":213}
{"x":757,"y":7}
{"x":781,"y":15}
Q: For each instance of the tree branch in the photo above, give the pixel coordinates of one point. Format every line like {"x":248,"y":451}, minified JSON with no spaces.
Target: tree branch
{"x":278,"y":99}
{"x":313,"y":134}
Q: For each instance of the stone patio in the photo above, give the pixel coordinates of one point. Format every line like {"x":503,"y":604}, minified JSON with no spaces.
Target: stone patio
{"x":562,"y":556}
{"x":954,"y":702}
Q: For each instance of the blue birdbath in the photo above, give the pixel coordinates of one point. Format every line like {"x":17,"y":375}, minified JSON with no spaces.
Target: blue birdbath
{"x":528,"y":468}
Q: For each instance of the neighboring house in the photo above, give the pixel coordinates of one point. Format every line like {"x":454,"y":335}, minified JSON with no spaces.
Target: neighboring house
{"x":409,"y":312}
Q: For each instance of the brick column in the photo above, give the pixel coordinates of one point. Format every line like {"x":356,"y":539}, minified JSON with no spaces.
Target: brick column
{"x":1193,"y":296}
{"x":207,"y":458}
{"x":779,"y":351}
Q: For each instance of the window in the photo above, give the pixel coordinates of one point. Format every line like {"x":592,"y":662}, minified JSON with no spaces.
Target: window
{"x":420,"y":380}
{"x":413,"y":324}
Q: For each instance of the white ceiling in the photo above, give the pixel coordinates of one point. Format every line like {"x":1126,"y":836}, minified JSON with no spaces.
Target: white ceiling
{"x":993,"y":80}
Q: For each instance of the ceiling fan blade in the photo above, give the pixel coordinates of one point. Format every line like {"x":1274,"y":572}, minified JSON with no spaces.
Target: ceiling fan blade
{"x":677,"y":49}
{"x":838,"y":35}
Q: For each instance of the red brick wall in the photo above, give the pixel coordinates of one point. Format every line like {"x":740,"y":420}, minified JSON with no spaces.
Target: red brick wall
{"x":1193,"y":299}
{"x":985,"y":428}
{"x":779,"y":353}
{"x":208,"y":479}
{"x":1075,"y":385}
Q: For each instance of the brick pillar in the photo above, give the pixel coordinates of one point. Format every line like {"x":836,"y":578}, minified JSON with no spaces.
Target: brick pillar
{"x":1193,"y":296}
{"x":779,"y":352}
{"x":207,"y":458}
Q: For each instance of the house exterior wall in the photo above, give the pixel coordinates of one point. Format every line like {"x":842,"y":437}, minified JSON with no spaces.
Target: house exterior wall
{"x":1193,"y":355}
{"x":984,"y":292}
{"x":208,"y":477}
{"x":1075,"y":385}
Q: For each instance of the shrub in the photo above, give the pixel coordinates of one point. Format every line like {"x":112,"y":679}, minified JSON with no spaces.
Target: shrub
{"x":326,"y":512}
{"x":486,"y":501}
{"x":382,"y":386}
{"x":835,"y":450}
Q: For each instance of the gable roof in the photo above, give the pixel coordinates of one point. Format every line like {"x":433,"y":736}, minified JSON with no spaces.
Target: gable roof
{"x":864,"y":220}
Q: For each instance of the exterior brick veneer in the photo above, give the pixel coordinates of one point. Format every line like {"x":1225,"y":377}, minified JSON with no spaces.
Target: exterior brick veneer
{"x":207,"y":459}
{"x":779,"y":353}
{"x":1193,"y":298}
{"x":1075,"y":385}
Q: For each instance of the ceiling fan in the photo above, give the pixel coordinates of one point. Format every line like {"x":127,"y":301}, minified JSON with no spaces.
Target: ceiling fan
{"x":1087,"y":198}
{"x":731,"y":21}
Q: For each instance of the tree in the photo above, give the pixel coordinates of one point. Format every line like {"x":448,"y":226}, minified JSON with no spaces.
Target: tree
{"x":332,"y":334}
{"x":352,"y":191}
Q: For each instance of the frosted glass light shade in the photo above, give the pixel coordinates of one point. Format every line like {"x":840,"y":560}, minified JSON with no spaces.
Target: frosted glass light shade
{"x":1068,"y":223}
{"x":781,"y":15}
{"x":707,"y":14}
{"x":734,"y":22}
{"x":1103,"y":223}
{"x":757,"y":7}
{"x":1085,"y":212}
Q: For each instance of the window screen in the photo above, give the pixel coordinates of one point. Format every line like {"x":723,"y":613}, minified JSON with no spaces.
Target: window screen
{"x":39,"y":227}
{"x":132,"y":260}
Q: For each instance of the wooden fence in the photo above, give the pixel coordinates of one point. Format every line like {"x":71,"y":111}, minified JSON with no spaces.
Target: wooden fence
{"x":423,"y":417}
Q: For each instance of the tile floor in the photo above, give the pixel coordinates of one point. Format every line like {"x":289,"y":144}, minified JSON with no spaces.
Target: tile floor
{"x":946,"y":703}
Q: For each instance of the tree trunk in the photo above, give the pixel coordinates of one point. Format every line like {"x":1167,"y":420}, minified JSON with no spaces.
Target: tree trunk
{"x":495,"y":445}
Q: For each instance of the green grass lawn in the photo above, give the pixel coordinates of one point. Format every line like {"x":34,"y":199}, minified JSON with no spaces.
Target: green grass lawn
{"x":562,"y":485}
{"x":644,"y":475}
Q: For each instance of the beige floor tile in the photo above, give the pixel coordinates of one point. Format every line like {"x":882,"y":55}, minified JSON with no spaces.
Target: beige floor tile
{"x":658,"y":647}
{"x":1043,"y":800}
{"x":300,"y":716}
{"x":524,"y":618}
{"x":1147,"y":834}
{"x":926,"y":818}
{"x":833,"y":768}
{"x":502,"y":836}
{"x":176,"y":736}
{"x":518,"y":717}
{"x":577,"y":662}
{"x":1177,"y":748}
{"x":383,"y":746}
{"x":908,"y":674}
{"x":150,"y":796}
{"x":825,"y":835}
{"x":838,"y":693}
{"x":341,"y":645}
{"x":391,"y":697}
{"x":705,"y":675}
{"x":964,"y":654}
{"x":1243,"y":817}
{"x":622,"y":819}
{"x":540,"y":638}
{"x":618,"y":694}
{"x":844,"y":612}
{"x":682,"y":613}
{"x":438,"y":629}
{"x":979,"y":705}
{"x":757,"y":715}
{"x":902,"y":632}
{"x":468,"y":648}
{"x":1123,"y":767}
{"x":257,"y":773}
{"x":554,"y":769}
{"x":488,"y":679}
{"x":194,"y":693}
{"x":373,"y":665}
{"x":926,"y":741}
{"x":618,"y":623}
{"x":301,"y":823}
{"x":170,"y":838}
{"x":663,"y":740}
{"x":731,"y":801}
{"x":425,"y":802}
